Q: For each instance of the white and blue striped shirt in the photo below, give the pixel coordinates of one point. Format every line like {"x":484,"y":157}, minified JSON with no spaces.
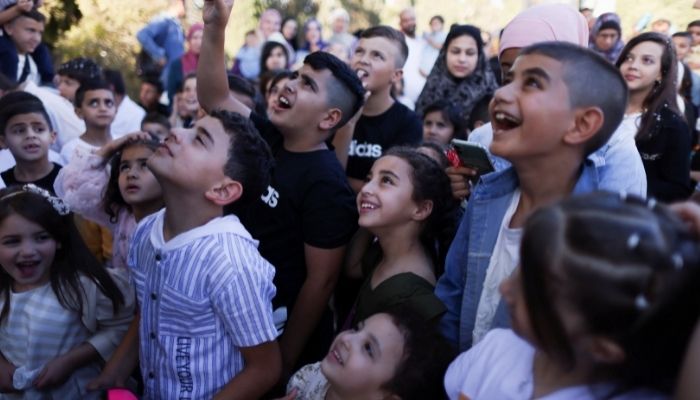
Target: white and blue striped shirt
{"x":203,"y":295}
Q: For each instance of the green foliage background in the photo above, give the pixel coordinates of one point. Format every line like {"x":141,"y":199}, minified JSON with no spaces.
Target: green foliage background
{"x":106,"y":29}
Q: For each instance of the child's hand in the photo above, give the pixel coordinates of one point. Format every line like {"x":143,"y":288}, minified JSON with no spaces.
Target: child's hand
{"x":112,"y":147}
{"x":459,"y":181}
{"x":106,"y":380}
{"x":217,"y":12}
{"x":55,"y":372}
{"x":7,"y":371}
{"x":25,"y":5}
{"x":689,"y":212}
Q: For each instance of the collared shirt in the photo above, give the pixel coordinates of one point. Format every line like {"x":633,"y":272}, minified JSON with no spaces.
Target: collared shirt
{"x":34,"y":75}
{"x":203,"y":295}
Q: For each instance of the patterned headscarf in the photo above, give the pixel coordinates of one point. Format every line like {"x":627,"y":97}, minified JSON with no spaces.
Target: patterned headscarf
{"x":190,"y":58}
{"x":607,"y":21}
{"x":462,"y":93}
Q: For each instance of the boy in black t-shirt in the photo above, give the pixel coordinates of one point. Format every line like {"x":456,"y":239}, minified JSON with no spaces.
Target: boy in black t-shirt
{"x":308,"y":214}
{"x":25,"y":129}
{"x":378,"y":60}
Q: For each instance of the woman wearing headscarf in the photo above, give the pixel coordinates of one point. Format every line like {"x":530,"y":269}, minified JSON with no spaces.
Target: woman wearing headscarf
{"x":461,"y":75}
{"x":606,"y":37}
{"x":313,"y":41}
{"x":187,"y":64}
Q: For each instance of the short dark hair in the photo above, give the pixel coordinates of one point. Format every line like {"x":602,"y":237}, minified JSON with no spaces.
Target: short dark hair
{"x":88,"y":86}
{"x":683,"y":34}
{"x":81,"y":69}
{"x":241,"y":85}
{"x":345,"y":90}
{"x":695,"y":23}
{"x":426,"y":356}
{"x":153,"y":81}
{"x":32,"y":14}
{"x":16,"y":103}
{"x":156,"y":118}
{"x":591,"y":81}
{"x":391,"y":34}
{"x":249,"y":162}
{"x":115,"y":78}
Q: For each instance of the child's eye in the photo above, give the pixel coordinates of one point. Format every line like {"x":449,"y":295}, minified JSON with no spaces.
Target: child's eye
{"x":199,"y":139}
{"x":143,"y":165}
{"x":10,"y":241}
{"x":123,"y":167}
{"x":386,"y":179}
{"x":43,"y":236}
{"x":531,"y":82}
{"x":368,"y":349}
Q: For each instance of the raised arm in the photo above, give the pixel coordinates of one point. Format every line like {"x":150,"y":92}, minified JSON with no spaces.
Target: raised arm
{"x":212,"y":82}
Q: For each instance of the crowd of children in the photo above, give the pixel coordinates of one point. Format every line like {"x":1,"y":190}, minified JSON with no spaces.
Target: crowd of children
{"x":318,"y":238}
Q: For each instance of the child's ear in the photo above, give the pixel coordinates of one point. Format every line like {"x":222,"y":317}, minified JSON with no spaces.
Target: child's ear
{"x":225,"y":192}
{"x":397,"y":75}
{"x":79,"y":112}
{"x":53,"y":137}
{"x":605,"y":350}
{"x":423,"y":210}
{"x":331,"y":119}
{"x":587,"y":123}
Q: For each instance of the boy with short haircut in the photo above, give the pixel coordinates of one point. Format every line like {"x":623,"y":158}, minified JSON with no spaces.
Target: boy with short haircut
{"x":378,"y":60}
{"x":562,"y":104}
{"x":149,"y":96}
{"x":94,"y":103}
{"x":25,"y":129}
{"x":308,"y":214}
{"x":205,"y":327}
{"x":683,"y":42}
{"x":156,"y":125}
{"x":23,"y":55}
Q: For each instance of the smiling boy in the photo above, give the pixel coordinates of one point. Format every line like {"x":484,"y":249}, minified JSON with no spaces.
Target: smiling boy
{"x":307,"y":215}
{"x":562,"y":103}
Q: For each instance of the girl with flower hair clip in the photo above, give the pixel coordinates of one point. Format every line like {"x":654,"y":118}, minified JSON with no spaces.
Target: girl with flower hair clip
{"x":61,"y":312}
{"x":602,"y":306}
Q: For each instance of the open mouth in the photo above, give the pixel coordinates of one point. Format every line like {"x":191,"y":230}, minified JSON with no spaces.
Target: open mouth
{"x":503,"y":121}
{"x":361,"y":73}
{"x":27,"y":268}
{"x":337,"y":357}
{"x":283,"y":102}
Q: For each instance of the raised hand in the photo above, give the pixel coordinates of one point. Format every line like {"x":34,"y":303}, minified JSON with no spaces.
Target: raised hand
{"x":216,"y":12}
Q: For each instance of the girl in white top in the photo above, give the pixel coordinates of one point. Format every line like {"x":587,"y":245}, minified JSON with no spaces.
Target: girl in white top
{"x":602,"y":306}
{"x":61,"y":312}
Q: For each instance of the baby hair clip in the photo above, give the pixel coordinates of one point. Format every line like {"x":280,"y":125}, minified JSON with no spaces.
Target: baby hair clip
{"x":57,"y":204}
{"x":641,"y":302}
{"x":677,"y":261}
{"x":633,"y":241}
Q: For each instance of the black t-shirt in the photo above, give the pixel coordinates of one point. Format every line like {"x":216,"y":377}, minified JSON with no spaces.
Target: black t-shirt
{"x":309,"y":201}
{"x":375,"y":135}
{"x":8,"y":176}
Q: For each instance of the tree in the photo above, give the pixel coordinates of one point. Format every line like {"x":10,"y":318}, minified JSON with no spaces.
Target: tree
{"x":62,"y":15}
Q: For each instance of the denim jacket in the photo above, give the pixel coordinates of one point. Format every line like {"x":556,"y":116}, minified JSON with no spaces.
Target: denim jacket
{"x":460,"y":286}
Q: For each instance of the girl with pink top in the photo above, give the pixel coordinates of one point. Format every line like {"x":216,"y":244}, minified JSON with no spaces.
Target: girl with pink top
{"x":113,"y":187}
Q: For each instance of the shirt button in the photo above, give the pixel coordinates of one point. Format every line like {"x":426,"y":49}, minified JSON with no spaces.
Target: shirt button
{"x":158,"y":257}
{"x":151,"y":375}
{"x":153,"y":335}
{"x":154,"y":296}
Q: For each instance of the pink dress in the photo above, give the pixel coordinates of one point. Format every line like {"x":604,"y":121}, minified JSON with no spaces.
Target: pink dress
{"x":81,"y":184}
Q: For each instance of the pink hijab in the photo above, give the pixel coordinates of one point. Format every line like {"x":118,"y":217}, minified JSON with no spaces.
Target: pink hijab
{"x":544,"y":23}
{"x":190,"y":58}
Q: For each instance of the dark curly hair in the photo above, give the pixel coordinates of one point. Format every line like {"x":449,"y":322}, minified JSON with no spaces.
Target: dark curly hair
{"x":426,"y":356}
{"x":250,"y":160}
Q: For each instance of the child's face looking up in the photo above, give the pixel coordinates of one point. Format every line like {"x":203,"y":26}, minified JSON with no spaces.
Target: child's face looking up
{"x":193,"y":159}
{"x":532,"y":113}
{"x":642,"y":67}
{"x":361,"y":361}
{"x":374,"y":61}
{"x":28,"y":137}
{"x":137,"y":184}
{"x":27,"y":251}
{"x":98,"y":108}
